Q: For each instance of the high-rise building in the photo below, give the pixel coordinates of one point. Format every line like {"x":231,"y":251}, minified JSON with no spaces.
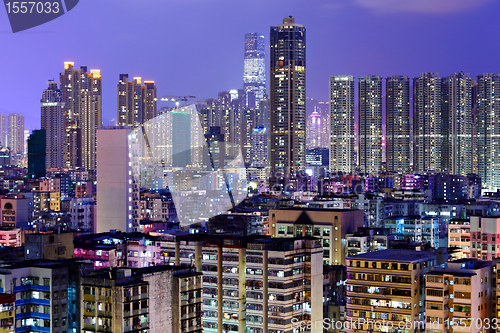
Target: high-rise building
{"x":114,"y":174}
{"x":216,"y":148}
{"x":82,"y":98}
{"x":254,"y":76}
{"x":15,"y":137}
{"x":342,"y":130}
{"x":52,"y":121}
{"x":3,"y":134}
{"x":427,"y":123}
{"x":181,"y":139}
{"x":456,"y":113}
{"x":398,"y":123}
{"x":314,"y":130}
{"x":370,"y":124}
{"x":259,"y":147}
{"x":488,"y":128}
{"x":37,"y":153}
{"x":136,"y":101}
{"x":288,"y":97}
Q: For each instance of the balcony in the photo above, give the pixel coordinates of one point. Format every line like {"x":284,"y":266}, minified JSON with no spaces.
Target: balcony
{"x":136,"y":327}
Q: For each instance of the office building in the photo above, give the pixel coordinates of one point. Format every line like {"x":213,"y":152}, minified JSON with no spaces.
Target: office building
{"x":488,"y":125}
{"x":254,"y":76}
{"x":114,"y":175}
{"x":136,"y":101}
{"x":459,"y":295}
{"x":288,"y":97}
{"x":370,"y":124}
{"x":181,"y":138}
{"x":15,"y":137}
{"x":82,"y":97}
{"x":384,"y":286}
{"x":330,"y":225}
{"x":314,"y":139}
{"x":456,"y":113}
{"x":427,"y":123}
{"x":37,"y":153}
{"x":52,"y":121}
{"x":342,"y":130}
{"x":397,"y":123}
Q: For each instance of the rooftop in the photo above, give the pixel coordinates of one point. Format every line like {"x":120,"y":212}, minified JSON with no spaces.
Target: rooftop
{"x":393,"y":255}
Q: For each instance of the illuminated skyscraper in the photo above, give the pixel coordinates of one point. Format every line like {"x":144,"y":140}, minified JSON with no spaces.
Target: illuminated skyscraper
{"x":427,"y":123}
{"x":259,"y":147}
{"x":82,"y":98}
{"x":342,"y":131}
{"x":288,"y":97}
{"x":456,"y":113}
{"x":370,"y":123}
{"x":254,"y":76}
{"x":52,"y":121}
{"x":136,"y":101}
{"x":15,"y":137}
{"x":398,"y":123}
{"x":314,"y":130}
{"x":3,"y":134}
{"x":488,"y":130}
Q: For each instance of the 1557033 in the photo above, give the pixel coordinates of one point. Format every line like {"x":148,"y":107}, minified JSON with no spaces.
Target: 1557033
{"x":39,"y":7}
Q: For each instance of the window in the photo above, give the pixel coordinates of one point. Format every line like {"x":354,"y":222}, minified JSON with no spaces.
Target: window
{"x":435,"y":292}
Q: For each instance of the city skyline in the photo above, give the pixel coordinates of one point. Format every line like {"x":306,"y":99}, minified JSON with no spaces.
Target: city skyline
{"x":380,"y":51}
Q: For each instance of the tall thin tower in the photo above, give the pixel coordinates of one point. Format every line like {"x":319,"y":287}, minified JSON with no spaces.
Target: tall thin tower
{"x":288,"y":97}
{"x":370,"y":123}
{"x":82,"y":98}
{"x":254,"y":76}
{"x":342,"y":130}
{"x":427,"y":123}
{"x":488,"y":130}
{"x":398,"y":123}
{"x":52,"y":121}
{"x":456,"y":113}
{"x":3,"y":134}
{"x":15,"y":137}
{"x":136,"y":101}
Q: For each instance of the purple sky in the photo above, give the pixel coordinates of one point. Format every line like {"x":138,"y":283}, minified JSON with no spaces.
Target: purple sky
{"x":195,"y":47}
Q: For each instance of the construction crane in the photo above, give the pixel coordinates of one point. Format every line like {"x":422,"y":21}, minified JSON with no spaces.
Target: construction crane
{"x":176,"y":98}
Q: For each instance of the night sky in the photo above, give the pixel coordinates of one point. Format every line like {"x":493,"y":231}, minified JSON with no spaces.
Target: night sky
{"x":195,"y":47}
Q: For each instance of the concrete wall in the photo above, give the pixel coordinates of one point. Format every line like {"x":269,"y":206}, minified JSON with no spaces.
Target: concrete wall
{"x":161,"y":289}
{"x":114,"y":176}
